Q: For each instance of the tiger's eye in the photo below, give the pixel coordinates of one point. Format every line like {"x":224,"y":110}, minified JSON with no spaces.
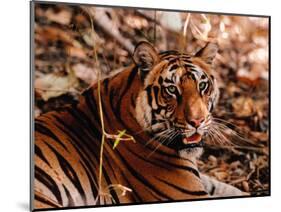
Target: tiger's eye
{"x":172,"y":89}
{"x":202,"y":85}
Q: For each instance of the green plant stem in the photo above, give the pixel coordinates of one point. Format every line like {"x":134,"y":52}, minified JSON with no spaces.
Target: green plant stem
{"x":100,"y":111}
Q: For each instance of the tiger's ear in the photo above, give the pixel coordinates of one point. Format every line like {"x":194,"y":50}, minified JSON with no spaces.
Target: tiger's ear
{"x":208,"y":52}
{"x":145,"y":56}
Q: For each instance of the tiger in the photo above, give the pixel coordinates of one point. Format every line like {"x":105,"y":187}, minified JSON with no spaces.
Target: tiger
{"x":164,"y":100}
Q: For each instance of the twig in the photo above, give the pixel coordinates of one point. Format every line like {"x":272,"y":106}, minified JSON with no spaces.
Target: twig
{"x":154,"y":30}
{"x":186,"y":25}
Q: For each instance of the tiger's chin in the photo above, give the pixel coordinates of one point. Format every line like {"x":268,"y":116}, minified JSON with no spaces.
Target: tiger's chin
{"x":188,"y":153}
{"x":188,"y":147}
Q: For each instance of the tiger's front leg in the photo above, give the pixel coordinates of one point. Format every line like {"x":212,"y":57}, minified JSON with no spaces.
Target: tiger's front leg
{"x":216,"y":188}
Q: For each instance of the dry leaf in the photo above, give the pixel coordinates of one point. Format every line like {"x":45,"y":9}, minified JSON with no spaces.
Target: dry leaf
{"x":76,"y":52}
{"x":62,"y":17}
{"x":85,"y":73}
{"x":52,"y":85}
{"x":221,"y":175}
{"x":243,"y":106}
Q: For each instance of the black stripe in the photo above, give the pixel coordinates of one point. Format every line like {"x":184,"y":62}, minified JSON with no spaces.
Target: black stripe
{"x":173,"y":67}
{"x":186,"y":59}
{"x":185,"y":56}
{"x":69,"y":171}
{"x":189,"y":65}
{"x":156,"y":91}
{"x":212,"y":107}
{"x":155,"y":121}
{"x":160,"y":80}
{"x":183,"y":190}
{"x":70,"y":200}
{"x":193,"y":70}
{"x":105,"y":85}
{"x":173,"y":60}
{"x":149,"y":97}
{"x":168,"y":52}
{"x":91,"y":103}
{"x":92,"y":178}
{"x":179,"y":100}
{"x":189,"y":169}
{"x":212,"y":190}
{"x":45,"y":201}
{"x":159,"y":109}
{"x":192,"y":76}
{"x":168,"y":80}
{"x":133,"y":101}
{"x":48,"y":181}
{"x":39,"y":153}
{"x":175,"y":55}
{"x":112,"y":94}
{"x":39,"y":127}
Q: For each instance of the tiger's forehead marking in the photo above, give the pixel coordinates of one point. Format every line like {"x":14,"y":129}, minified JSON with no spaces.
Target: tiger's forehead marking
{"x":173,"y":67}
{"x":179,"y":65}
{"x":174,"y":55}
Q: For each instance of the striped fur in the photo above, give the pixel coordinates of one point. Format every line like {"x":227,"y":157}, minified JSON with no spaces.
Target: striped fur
{"x":68,"y":142}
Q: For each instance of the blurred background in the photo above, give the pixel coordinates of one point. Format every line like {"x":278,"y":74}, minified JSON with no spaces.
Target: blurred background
{"x":66,"y":37}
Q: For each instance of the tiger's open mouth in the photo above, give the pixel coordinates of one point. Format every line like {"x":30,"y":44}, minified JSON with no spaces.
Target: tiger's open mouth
{"x":183,"y":142}
{"x":193,"y":139}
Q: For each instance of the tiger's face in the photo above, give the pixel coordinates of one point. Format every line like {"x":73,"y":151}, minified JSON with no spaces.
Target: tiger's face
{"x":178,"y":96}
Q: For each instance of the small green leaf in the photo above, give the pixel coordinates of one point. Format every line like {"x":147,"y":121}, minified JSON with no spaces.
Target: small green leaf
{"x":117,"y":140}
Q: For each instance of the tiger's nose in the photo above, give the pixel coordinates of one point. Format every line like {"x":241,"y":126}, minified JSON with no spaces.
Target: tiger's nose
{"x":196,"y":122}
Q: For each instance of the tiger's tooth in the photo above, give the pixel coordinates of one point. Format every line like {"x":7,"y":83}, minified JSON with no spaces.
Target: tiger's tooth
{"x":185,"y":141}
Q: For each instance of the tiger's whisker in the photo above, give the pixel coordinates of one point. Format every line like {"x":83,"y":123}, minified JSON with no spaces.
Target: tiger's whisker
{"x":232,"y":132}
{"x":157,"y":136}
{"x":219,"y":132}
{"x":223,"y":124}
{"x":160,"y":143}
